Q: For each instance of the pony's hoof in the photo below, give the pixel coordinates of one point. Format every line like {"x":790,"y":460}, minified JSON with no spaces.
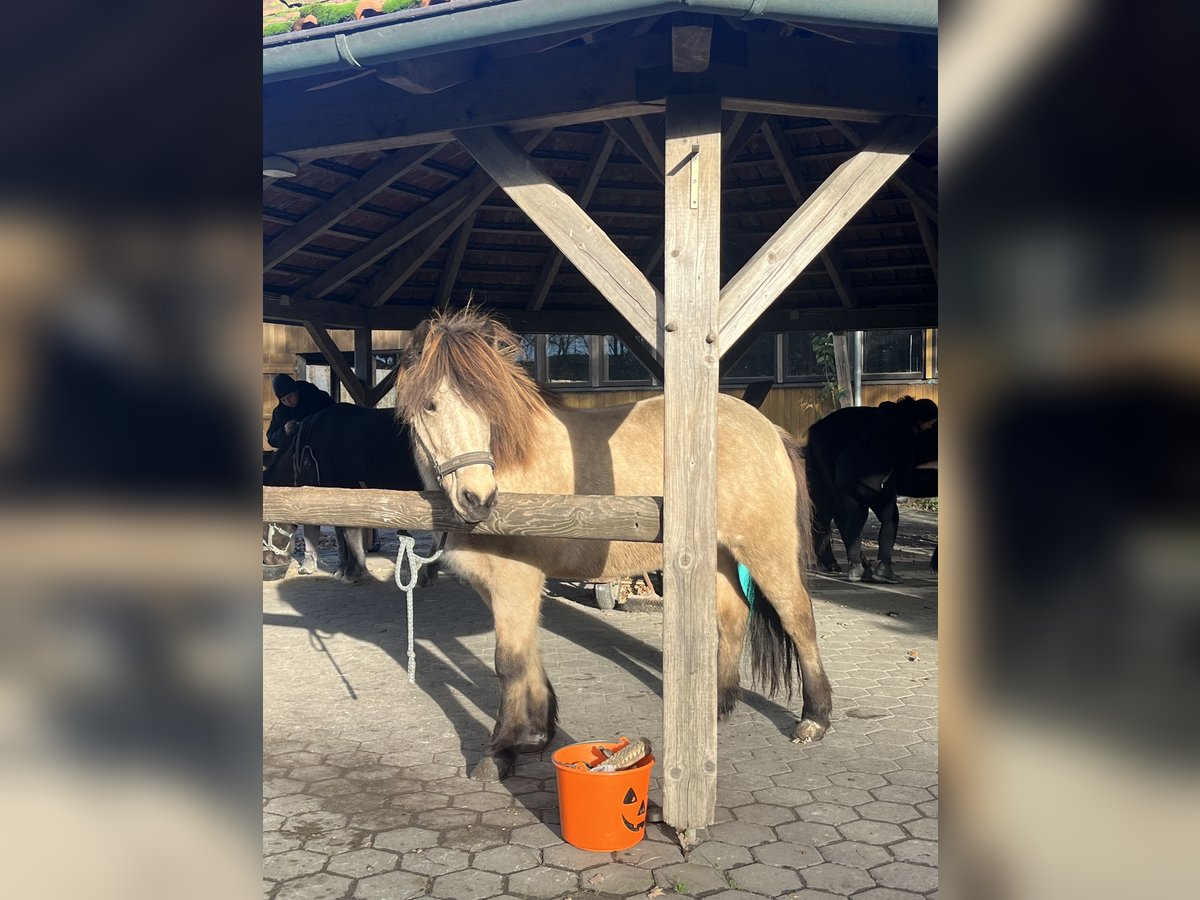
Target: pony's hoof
{"x":829,"y":568}
{"x":808,"y":732}
{"x":487,"y":770}
{"x":885,"y":573}
{"x":309,"y":566}
{"x":860,"y":572}
{"x":534,"y":742}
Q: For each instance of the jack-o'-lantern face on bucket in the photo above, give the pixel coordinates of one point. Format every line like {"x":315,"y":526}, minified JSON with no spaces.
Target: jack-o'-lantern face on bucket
{"x":633,"y":811}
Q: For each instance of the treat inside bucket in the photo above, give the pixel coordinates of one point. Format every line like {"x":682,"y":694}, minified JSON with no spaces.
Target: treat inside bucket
{"x":600,"y":810}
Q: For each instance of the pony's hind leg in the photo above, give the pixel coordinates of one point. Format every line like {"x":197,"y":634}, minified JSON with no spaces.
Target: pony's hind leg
{"x":352,"y":562}
{"x":732,"y":614}
{"x":528,"y":713}
{"x":791,"y":610}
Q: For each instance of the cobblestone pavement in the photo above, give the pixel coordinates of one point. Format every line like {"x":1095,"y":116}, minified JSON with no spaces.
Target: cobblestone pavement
{"x":365,"y":793}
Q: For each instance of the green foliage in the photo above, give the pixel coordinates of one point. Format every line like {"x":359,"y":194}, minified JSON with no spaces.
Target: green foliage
{"x":926,"y":503}
{"x":333,"y":14}
{"x":822,"y":345}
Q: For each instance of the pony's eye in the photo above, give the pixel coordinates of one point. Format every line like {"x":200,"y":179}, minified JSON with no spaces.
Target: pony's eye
{"x":430,"y":406}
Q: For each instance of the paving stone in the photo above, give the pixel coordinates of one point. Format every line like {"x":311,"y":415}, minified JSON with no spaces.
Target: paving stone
{"x":473,"y":838}
{"x":886,"y":894}
{"x":916,"y":851}
{"x":689,"y":878}
{"x":334,"y":787}
{"x":293,"y":804}
{"x":649,"y":855}
{"x":321,"y":886}
{"x":404,"y":839}
{"x":338,"y":841}
{"x":280,"y":787}
{"x":372,"y":773}
{"x":906,"y":877}
{"x":278,"y":842}
{"x":913,"y":777}
{"x":788,"y":855}
{"x":434,"y":861}
{"x":313,"y":823}
{"x":505,"y":860}
{"x":837,"y":879}
{"x":396,"y":785}
{"x":870,"y":832}
{"x":536,"y":836}
{"x":842,"y":796}
{"x":510,"y":817}
{"x":720,"y":855}
{"x":446,"y":818}
{"x":353,"y":804}
{"x":762,"y":879}
{"x":391,"y":886}
{"x":864,"y":781}
{"x":376,"y":820}
{"x":467,"y":885}
{"x":483,"y":801}
{"x":764,"y":814}
{"x":418,"y":802}
{"x":732,"y":895}
{"x":808,"y":834}
{"x":856,"y":853}
{"x":362,"y":863}
{"x":543,"y":883}
{"x":292,"y":864}
{"x":790,"y":797}
{"x":312,"y":774}
{"x":564,"y":856}
{"x":882,"y":811}
{"x":827,"y":813}
{"x":744,"y":834}
{"x":926,"y":829}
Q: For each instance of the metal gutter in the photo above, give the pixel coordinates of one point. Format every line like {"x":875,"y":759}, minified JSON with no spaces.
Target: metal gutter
{"x":478,"y":23}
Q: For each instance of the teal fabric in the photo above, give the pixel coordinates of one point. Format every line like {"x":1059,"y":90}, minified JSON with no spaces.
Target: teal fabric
{"x":747,"y":585}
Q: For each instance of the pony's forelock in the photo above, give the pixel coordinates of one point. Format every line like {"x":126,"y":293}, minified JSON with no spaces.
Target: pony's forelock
{"x":478,"y":356}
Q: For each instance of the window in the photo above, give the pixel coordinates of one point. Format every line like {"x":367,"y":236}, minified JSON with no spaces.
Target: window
{"x":528,"y":359}
{"x":894,"y":354}
{"x":620,"y":364}
{"x":808,"y":356}
{"x":568,"y":360}
{"x":757,"y":362}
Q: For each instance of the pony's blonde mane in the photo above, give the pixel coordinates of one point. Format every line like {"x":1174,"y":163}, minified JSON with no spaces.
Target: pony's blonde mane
{"x":477,"y":356}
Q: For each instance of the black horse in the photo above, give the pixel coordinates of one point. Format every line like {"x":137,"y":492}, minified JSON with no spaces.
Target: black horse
{"x":347,"y":446}
{"x":859,"y":459}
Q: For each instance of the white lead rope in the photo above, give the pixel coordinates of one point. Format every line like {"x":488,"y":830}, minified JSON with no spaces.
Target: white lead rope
{"x":407,"y":553}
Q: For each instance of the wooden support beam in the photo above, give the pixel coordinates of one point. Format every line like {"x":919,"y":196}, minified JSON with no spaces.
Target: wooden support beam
{"x":292,"y":311}
{"x":691,"y":45}
{"x":632,"y":139}
{"x":454,"y":258}
{"x":474,"y":190}
{"x":337,"y":363}
{"x":914,"y":180}
{"x":343,"y":202}
{"x":581,"y":240}
{"x":377,"y":393}
{"x":405,"y":231}
{"x":798,"y":242}
{"x":639,"y":350}
{"x":583,"y":196}
{"x":928,"y":239}
{"x":691,"y":359}
{"x":800,"y":190}
{"x":529,"y":515}
{"x":841,"y":364}
{"x":744,"y":125}
{"x":364,"y":361}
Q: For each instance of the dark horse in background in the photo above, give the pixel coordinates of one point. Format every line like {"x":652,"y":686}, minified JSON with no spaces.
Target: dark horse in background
{"x":862,"y":458}
{"x":347,"y":446}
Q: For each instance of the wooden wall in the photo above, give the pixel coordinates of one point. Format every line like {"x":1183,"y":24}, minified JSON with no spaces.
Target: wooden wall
{"x":795,"y":407}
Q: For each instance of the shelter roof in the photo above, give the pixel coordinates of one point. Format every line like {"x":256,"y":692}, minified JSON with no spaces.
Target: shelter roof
{"x":389,"y":216}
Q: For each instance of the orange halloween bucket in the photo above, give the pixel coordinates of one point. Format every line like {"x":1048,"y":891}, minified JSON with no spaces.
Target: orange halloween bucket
{"x":601,"y":811}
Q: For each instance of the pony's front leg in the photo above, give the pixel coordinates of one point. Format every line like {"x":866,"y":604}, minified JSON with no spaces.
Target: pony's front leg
{"x":528,"y":713}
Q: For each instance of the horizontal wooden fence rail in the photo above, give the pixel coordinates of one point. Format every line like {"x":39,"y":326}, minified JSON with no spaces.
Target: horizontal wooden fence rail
{"x":528,"y":515}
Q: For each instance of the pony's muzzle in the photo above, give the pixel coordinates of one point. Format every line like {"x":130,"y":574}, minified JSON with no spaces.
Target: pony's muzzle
{"x":474,"y":508}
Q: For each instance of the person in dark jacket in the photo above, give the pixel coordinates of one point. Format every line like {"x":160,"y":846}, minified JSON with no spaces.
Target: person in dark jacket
{"x":297,"y":400}
{"x":855,"y":459}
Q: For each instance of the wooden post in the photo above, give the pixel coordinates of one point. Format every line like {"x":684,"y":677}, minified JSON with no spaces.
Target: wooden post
{"x":691,"y":280}
{"x":364,"y":362}
{"x":841,"y":362}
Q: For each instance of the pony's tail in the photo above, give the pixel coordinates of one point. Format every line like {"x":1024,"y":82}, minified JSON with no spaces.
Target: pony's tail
{"x":774,"y":658}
